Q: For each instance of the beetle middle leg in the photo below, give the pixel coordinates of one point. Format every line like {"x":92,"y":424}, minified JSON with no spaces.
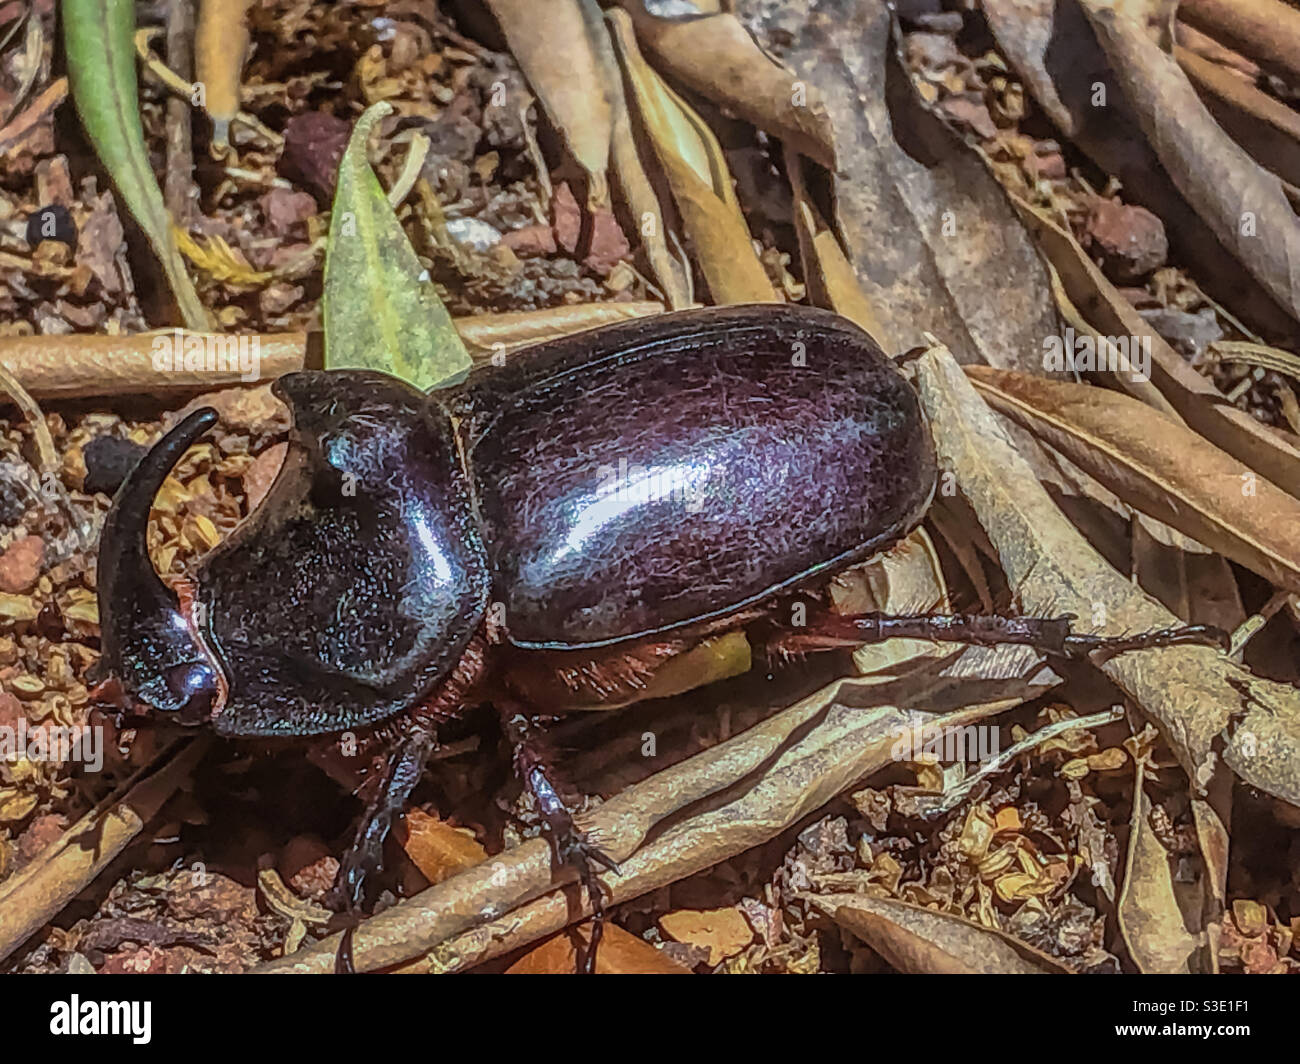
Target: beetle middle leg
{"x":1052,"y":635}
{"x":534,"y":764}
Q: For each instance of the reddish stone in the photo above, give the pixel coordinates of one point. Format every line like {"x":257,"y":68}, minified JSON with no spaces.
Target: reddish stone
{"x":20,"y":564}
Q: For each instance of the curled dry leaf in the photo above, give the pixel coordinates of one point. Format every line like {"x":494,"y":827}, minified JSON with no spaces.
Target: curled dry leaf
{"x":553,"y":44}
{"x":1158,"y":467}
{"x":715,"y":56}
{"x":1202,"y":44}
{"x":827,"y":270}
{"x":1197,"y":401}
{"x":1198,"y":697}
{"x":917,"y":940}
{"x":1260,"y":123}
{"x":927,"y":228}
{"x":1135,"y":384}
{"x":639,"y":196}
{"x":1267,"y":30}
{"x":906,"y":579}
{"x":220,"y":47}
{"x":1245,"y":205}
{"x":1150,"y":917}
{"x":697,"y":173}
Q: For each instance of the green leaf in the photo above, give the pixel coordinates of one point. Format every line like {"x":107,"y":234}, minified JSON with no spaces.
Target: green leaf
{"x":97,"y":35}
{"x":378,"y":314}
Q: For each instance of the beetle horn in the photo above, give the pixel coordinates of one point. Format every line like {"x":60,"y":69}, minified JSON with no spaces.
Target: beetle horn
{"x":145,"y":634}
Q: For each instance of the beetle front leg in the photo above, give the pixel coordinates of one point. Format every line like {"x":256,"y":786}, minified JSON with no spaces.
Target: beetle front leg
{"x":365,"y":858}
{"x":570,"y":844}
{"x":1052,"y":635}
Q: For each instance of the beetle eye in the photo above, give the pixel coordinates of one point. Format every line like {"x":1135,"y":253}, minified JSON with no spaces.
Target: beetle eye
{"x":195,"y":686}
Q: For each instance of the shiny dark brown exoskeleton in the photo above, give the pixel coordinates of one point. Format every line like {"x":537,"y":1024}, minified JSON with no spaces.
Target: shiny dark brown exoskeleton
{"x":567,"y":522}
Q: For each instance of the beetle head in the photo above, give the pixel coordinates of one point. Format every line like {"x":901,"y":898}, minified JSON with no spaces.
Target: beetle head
{"x":340,"y":601}
{"x":149,"y":641}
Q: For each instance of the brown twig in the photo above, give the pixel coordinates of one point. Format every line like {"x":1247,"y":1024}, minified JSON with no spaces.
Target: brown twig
{"x":729,"y":799}
{"x":37,"y":893}
{"x":64,"y":367}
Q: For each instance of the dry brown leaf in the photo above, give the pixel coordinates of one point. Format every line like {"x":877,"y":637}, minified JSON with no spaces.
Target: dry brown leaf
{"x":928,"y":230}
{"x":715,"y":56}
{"x":1260,"y":123}
{"x":827,"y":270}
{"x":220,"y":47}
{"x":1202,"y":44}
{"x":1267,"y":30}
{"x":1158,"y":467}
{"x":1245,"y":205}
{"x":1150,"y":917}
{"x":1200,"y":699}
{"x":697,"y":173}
{"x":436,"y":848}
{"x":916,"y":940}
{"x":1194,"y":583}
{"x":906,"y":579}
{"x":723,"y":932}
{"x":639,"y":196}
{"x":553,"y":45}
{"x":620,"y":953}
{"x":1197,"y":401}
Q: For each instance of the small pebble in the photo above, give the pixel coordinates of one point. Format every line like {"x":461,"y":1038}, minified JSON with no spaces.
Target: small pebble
{"x":473,"y":233}
{"x":51,"y":223}
{"x":313,"y":145}
{"x":20,"y":564}
{"x":1130,"y":240}
{"x":108,"y":461}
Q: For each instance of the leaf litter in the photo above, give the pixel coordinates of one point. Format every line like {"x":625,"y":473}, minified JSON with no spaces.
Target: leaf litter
{"x":780,"y":826}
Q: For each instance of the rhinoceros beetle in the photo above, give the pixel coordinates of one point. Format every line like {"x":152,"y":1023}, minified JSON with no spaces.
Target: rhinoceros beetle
{"x":597,"y":506}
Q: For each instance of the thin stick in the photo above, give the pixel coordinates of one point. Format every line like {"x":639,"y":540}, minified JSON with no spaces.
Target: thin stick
{"x":65,"y":367}
{"x":39,"y":892}
{"x":772,"y":775}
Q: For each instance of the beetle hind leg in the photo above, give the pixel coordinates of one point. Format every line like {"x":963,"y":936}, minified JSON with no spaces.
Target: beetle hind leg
{"x":1052,"y":635}
{"x":570,"y":844}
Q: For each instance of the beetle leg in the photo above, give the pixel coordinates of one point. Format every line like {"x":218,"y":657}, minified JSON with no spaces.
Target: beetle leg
{"x":365,"y":857}
{"x":569,"y":843}
{"x":1051,"y":635}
